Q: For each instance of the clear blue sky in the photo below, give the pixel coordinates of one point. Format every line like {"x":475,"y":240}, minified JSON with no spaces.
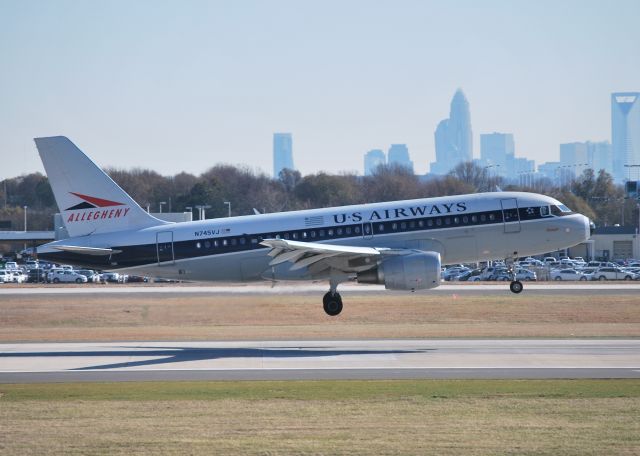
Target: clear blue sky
{"x":182,"y":85}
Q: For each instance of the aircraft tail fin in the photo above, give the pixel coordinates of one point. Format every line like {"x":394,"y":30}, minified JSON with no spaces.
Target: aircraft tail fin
{"x":89,"y":200}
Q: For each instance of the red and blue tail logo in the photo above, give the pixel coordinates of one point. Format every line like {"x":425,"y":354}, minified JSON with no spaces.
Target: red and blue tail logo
{"x":91,"y":202}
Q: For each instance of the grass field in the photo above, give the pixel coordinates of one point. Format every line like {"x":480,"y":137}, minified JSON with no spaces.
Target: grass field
{"x":548,"y":417}
{"x":114,"y":317}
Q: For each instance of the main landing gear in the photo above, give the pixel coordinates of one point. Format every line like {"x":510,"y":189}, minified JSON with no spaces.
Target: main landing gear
{"x":332,"y":303}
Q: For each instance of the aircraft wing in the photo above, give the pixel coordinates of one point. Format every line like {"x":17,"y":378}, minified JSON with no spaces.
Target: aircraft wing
{"x":86,"y":250}
{"x":320,"y":257}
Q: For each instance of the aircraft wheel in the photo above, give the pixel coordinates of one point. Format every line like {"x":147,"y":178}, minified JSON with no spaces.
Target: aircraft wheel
{"x":332,"y":303}
{"x":516,"y":286}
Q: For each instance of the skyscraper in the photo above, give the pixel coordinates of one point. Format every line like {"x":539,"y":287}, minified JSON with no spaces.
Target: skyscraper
{"x":372,"y":160}
{"x":599,"y":156}
{"x":574,"y":159}
{"x":625,"y":135}
{"x":453,"y":138}
{"x":399,"y":155}
{"x":282,"y":153}
{"x":497,"y":151}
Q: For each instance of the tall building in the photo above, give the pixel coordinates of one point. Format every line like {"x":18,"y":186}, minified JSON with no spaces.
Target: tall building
{"x":599,"y":156}
{"x":497,"y":151}
{"x":372,"y":160}
{"x":399,"y":155}
{"x":574,"y":159}
{"x":282,"y":153}
{"x":625,"y":135}
{"x":453,"y":139}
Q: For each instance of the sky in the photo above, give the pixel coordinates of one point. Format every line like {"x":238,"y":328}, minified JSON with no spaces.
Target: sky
{"x":182,"y":85}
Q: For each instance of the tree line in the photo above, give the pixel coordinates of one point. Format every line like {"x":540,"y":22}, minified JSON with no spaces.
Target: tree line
{"x":593,"y":194}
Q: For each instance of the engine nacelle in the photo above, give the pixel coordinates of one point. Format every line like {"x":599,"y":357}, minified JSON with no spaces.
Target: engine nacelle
{"x":416,"y":271}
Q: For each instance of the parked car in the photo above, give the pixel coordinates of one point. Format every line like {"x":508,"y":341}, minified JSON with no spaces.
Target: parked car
{"x":36,"y":276}
{"x":91,"y":275}
{"x":6,"y":276}
{"x":114,"y":277}
{"x":469,"y":276}
{"x":18,"y":276}
{"x":137,"y":279}
{"x":525,"y":274}
{"x":66,"y":276}
{"x":566,"y":274}
{"x":548,"y":260}
{"x":612,"y":273}
{"x":11,"y":266}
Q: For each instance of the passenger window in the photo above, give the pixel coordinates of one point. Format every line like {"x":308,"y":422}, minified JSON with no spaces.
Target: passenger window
{"x":330,"y":232}
{"x":438,"y":221}
{"x":313,"y":234}
{"x":198,"y":245}
{"x":339,"y":231}
{"x":420,"y":223}
{"x":294,"y":235}
{"x":403,"y":226}
{"x":381,"y":227}
{"x":243,"y":241}
{"x":492,"y":217}
{"x":447,"y":221}
{"x":394,"y":226}
{"x":429,"y":222}
{"x":347,"y":230}
{"x":357,"y":230}
{"x":321,"y":233}
{"x":474,"y":219}
{"x":207,"y":244}
{"x":456,"y":220}
{"x":483,"y":218}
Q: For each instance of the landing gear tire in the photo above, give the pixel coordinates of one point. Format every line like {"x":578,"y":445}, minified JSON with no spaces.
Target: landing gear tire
{"x":332,"y":303}
{"x":516,"y":286}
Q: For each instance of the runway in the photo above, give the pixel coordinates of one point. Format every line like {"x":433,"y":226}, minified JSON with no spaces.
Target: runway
{"x":543,"y":288}
{"x":292,"y":360}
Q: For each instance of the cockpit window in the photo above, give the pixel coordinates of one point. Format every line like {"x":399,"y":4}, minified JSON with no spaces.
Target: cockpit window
{"x":560,"y":210}
{"x":544,"y":211}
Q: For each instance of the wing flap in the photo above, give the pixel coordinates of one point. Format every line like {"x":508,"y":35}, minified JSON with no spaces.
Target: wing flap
{"x":86,"y":250}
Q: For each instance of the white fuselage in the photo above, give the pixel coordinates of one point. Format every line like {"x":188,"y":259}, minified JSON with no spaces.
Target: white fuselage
{"x":463,"y":229}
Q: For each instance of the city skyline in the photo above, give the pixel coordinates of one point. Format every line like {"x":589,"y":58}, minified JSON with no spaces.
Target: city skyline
{"x":182,"y":86}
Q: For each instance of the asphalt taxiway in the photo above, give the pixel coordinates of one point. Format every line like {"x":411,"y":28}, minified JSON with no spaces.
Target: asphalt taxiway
{"x":291,"y":360}
{"x":288,"y":288}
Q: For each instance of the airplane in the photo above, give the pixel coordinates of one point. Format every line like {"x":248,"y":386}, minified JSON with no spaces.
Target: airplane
{"x":399,"y":244}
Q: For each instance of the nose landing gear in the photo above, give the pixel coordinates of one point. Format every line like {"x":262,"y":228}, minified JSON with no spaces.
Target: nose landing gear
{"x":516,"y":286}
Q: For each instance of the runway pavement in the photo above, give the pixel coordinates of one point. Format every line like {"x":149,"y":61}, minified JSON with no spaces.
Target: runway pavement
{"x":361,"y":359}
{"x":561,"y":288}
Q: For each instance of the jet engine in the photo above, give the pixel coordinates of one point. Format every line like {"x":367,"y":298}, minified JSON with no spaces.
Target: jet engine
{"x":415,"y":271}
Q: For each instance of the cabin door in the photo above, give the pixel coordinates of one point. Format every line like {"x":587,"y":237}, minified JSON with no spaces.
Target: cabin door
{"x":164,"y":248}
{"x":510,"y":215}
